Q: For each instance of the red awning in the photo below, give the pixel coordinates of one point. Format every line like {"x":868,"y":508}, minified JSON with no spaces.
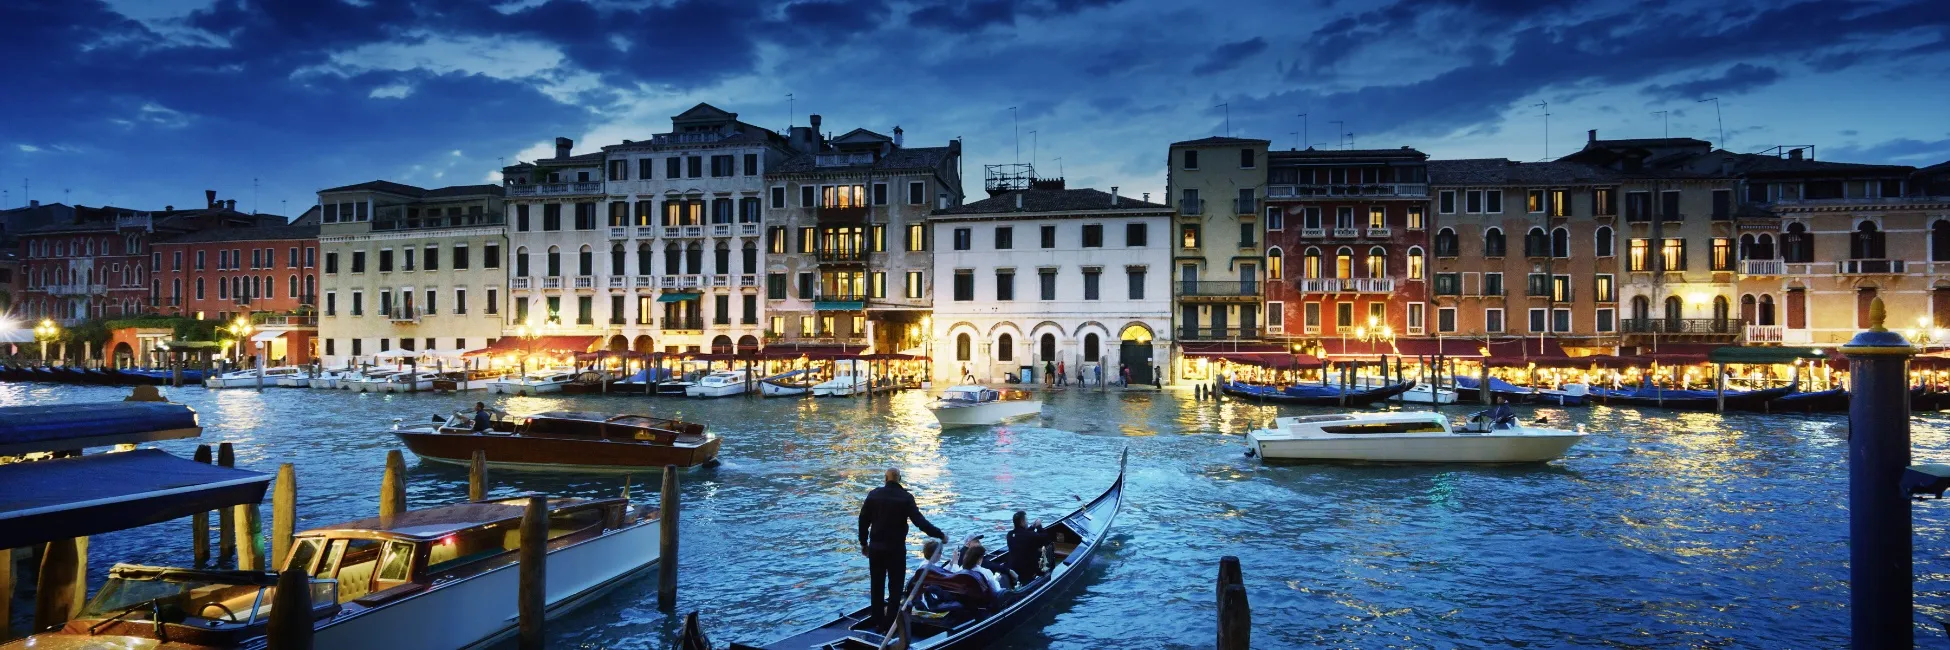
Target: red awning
{"x":1451,"y":348}
{"x":1526,"y":351}
{"x":1677,"y":353}
{"x":519,"y":345}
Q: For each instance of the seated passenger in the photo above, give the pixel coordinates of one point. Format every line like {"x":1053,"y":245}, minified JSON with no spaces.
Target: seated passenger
{"x":971,"y":563}
{"x":1026,"y":544}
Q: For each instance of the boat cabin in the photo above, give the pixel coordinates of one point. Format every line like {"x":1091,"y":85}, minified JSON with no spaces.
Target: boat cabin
{"x":185,"y":608}
{"x":585,"y":425}
{"x":1365,"y":423}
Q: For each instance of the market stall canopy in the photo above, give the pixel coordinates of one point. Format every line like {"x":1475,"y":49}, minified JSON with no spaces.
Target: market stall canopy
{"x":1526,"y":351}
{"x":678,"y":297}
{"x":1762,"y":355}
{"x":266,"y":336}
{"x":42,"y":501}
{"x":1677,"y":353}
{"x":1450,"y":348}
{"x":519,"y":345}
{"x":57,"y":427}
{"x":814,"y":351}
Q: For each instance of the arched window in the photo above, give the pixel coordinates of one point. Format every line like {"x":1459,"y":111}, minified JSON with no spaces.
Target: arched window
{"x":1641,"y":313}
{"x":1091,"y":345}
{"x":1720,"y":313}
{"x":1940,"y":241}
{"x":643,"y":259}
{"x":1310,"y":266}
{"x":1445,"y":243}
{"x":750,"y":256}
{"x":961,"y":347}
{"x":585,"y":261}
{"x":619,"y":262}
{"x":1415,"y":262}
{"x":1764,"y":247}
{"x":1867,"y":242}
{"x":1746,"y":249}
{"x":1674,"y":314}
{"x":673,"y":260}
{"x":554,"y":262}
{"x":1275,"y":264}
{"x":1005,"y":348}
{"x":1797,"y":244}
{"x":1604,"y":242}
{"x":1766,"y":315}
{"x":694,"y":259}
{"x":1494,"y":244}
{"x":1377,"y":262}
{"x":1749,"y":309}
{"x":1561,"y":243}
{"x":721,"y":260}
{"x":1536,"y":243}
{"x":1344,"y":263}
{"x":1049,"y":347}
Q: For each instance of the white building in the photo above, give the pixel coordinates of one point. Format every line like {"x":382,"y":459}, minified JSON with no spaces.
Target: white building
{"x":654,"y":245}
{"x":1051,"y":274}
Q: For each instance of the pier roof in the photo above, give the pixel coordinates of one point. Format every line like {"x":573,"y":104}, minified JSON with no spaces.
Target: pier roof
{"x":41,"y":501}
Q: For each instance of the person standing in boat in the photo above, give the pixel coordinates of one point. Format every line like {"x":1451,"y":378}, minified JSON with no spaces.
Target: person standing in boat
{"x":883,"y":539}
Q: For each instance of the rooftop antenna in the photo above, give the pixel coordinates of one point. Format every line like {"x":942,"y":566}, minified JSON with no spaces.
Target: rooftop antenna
{"x":1296,"y":139}
{"x":1667,"y":116}
{"x":1350,"y":140}
{"x":1547,"y":128}
{"x":1716,"y":119}
{"x":1228,"y":107}
{"x":791,"y":110}
{"x":283,"y":208}
{"x":253,"y":195}
{"x":1340,"y":127}
{"x":1059,"y":166}
{"x":1018,"y":118}
{"x":1303,"y":130}
{"x":1032,"y":147}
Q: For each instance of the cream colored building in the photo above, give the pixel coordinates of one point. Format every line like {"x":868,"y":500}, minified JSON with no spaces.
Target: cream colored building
{"x":409,"y":269}
{"x":1217,"y":186}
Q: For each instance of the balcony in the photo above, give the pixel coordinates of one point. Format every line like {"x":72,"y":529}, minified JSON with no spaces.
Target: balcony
{"x":720,"y":281}
{"x":644,"y":282}
{"x":1313,"y":233}
{"x":583,"y":282}
{"x":681,"y":282}
{"x":1371,"y":285}
{"x":1245,"y":207}
{"x":646,"y":232}
{"x":687,"y":325}
{"x":853,"y":214}
{"x":1346,"y":233}
{"x":619,"y":282}
{"x":841,"y":255}
{"x":619,"y":232}
{"x":748,"y":230}
{"x":1219,"y":290}
{"x":404,"y":315}
{"x":266,"y":319}
{"x":1320,"y":285}
{"x":520,"y":283}
{"x":552,"y":282}
{"x":1707,"y":326}
{"x":748,"y":281}
{"x":1218,"y":333}
{"x":720,"y":230}
{"x":556,"y":189}
{"x":1380,"y":233}
{"x":1348,"y":189}
{"x":1191,"y":207}
{"x":1760,"y":267}
{"x":1763,"y":334}
{"x":1869,"y":267}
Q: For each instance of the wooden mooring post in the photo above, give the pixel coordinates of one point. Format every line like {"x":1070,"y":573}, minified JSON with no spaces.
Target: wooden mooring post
{"x":284,"y":513}
{"x":392,"y":486}
{"x":477,"y":476}
{"x":1882,"y":602}
{"x":531,"y":599}
{"x":1235,"y":616}
{"x":200,"y":522}
{"x":226,"y":517}
{"x":667,"y":542}
{"x":290,"y":627}
{"x":62,"y":585}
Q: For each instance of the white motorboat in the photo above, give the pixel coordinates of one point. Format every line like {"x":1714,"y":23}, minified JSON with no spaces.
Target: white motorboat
{"x":328,"y":378}
{"x":723,"y":383}
{"x":300,"y":379}
{"x":408,"y":382}
{"x":977,"y":405}
{"x":1410,"y":437}
{"x":847,"y":381}
{"x":1566,"y":395}
{"x":785,"y":385}
{"x":370,"y":380}
{"x":534,"y":383}
{"x":248,"y":378}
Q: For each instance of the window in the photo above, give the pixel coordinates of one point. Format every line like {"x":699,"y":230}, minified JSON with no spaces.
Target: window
{"x":1493,"y":321}
{"x":1275,"y":264}
{"x":1092,"y":283}
{"x":1310,"y":317}
{"x":1005,"y":238}
{"x":1005,"y":348}
{"x":431,"y":260}
{"x":1533,"y":201}
{"x":1188,"y":235}
{"x":1560,"y":320}
{"x":721,"y":305}
{"x":1377,"y":262}
{"x":805,"y":286}
{"x":1473,"y":201}
{"x":917,"y":237}
{"x":1537,"y":285}
{"x":1797,"y":244}
{"x":916,"y":285}
{"x":1048,"y":236}
{"x":1445,"y":243}
{"x":1606,"y":321}
{"x":751,"y":164}
{"x":1638,"y":206}
{"x":1493,"y":201}
{"x":1669,"y":206}
{"x":358,"y":300}
{"x":1536,"y":243}
{"x":1446,"y":202}
{"x":492,"y":305}
{"x":460,"y":301}
{"x":199,"y":290}
{"x":1137,"y":236}
{"x":1561,"y":288}
{"x":1415,"y":262}
{"x":331,"y":261}
{"x":1867,"y":242}
{"x":964,"y":238}
{"x":808,"y":195}
{"x":1638,"y":252}
{"x":1603,"y":242}
{"x":1310,"y":218}
{"x":806,"y":241}
{"x":1134,"y":277}
{"x":1722,"y":205}
{"x":749,"y":316}
{"x":917,"y":193}
{"x":1377,"y":217}
{"x":1602,"y":289}
{"x":962,"y":347}
{"x":1560,"y":243}
{"x":490,"y":256}
{"x":407,"y":255}
{"x":1344,"y":315}
{"x":1672,"y":254}
{"x":722,"y":166}
{"x":358,"y":261}
{"x":1190,"y":159}
{"x":1602,"y":202}
{"x":1722,"y":254}
{"x":964,"y":285}
{"x":1246,"y":159}
{"x":877,"y":284}
{"x":775,"y":286}
{"x":1448,"y":284}
{"x":1005,"y":285}
{"x":1493,"y":243}
{"x":694,"y":166}
{"x":619,"y":170}
{"x":1538,"y":316}
{"x":1093,"y":235}
{"x":1559,"y":203}
{"x":1414,"y":217}
{"x":551,"y":216}
{"x":1046,"y":281}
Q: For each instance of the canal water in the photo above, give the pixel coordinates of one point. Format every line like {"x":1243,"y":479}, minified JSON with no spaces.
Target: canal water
{"x":1661,"y":530}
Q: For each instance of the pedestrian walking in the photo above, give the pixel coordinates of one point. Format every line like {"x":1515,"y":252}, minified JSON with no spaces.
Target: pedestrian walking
{"x":1049,"y":372}
{"x":1062,"y":376}
{"x":883,"y":539}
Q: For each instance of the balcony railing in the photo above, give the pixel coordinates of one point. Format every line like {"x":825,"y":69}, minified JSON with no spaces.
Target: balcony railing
{"x":552,"y":282}
{"x":619,"y":282}
{"x":1313,"y":233}
{"x":1217,"y":333}
{"x":1760,"y":267}
{"x":1245,"y":206}
{"x":1678,"y":326}
{"x":841,"y":255}
{"x":1347,"y":233}
{"x":403,"y":315}
{"x":619,"y":232}
{"x":692,"y":324}
{"x":1763,"y":334}
{"x":520,"y":283}
{"x":683,"y":282}
{"x":720,"y":281}
{"x":1381,"y":232}
{"x":748,"y":230}
{"x":720,"y":230}
{"x":1320,"y":285}
{"x":1191,"y":206}
{"x":840,"y":296}
{"x":646,"y":232}
{"x":748,"y":281}
{"x":585,"y":282}
{"x":1348,"y":189}
{"x":693,"y":231}
{"x":644,"y":282}
{"x":556,"y":189}
{"x":1869,"y":267}
{"x":1219,"y":288}
{"x":1371,"y":285}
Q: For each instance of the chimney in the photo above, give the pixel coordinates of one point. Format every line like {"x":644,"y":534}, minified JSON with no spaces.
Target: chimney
{"x":897,"y":135}
{"x":1794,"y":154}
{"x":562,"y":147}
{"x":814,"y":118}
{"x":1591,"y":135}
{"x":210,"y":199}
{"x":1018,"y":200}
{"x":1147,"y":197}
{"x":169,"y":208}
{"x":34,"y":203}
{"x":1113,"y":196}
{"x":230,"y":205}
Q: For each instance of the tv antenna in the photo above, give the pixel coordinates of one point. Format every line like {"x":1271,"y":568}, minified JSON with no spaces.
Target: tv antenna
{"x":1059,"y":166}
{"x":1667,"y":116}
{"x":1547,"y":128}
{"x":791,"y":111}
{"x":1716,"y":119}
{"x":1018,"y":119}
{"x":1228,"y":108}
{"x":1340,"y":127}
{"x":1303,"y":131}
{"x":1032,"y":147}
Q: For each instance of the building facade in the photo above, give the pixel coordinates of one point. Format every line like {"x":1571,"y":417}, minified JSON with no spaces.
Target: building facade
{"x":226,"y":273}
{"x":1347,"y":244}
{"x":1219,"y":255}
{"x":846,"y":247}
{"x":97,"y":264}
{"x":406,"y":269}
{"x":1046,"y":275}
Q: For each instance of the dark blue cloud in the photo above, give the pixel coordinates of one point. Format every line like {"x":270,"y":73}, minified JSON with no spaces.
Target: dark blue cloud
{"x":1229,"y":56}
{"x":1740,"y":78}
{"x":975,"y":15}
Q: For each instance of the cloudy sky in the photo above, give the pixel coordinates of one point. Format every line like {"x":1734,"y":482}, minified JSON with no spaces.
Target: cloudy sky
{"x":143,"y":103}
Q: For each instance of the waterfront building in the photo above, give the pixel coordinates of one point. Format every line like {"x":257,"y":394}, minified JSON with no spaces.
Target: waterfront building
{"x":1525,"y":249}
{"x":408,"y":269}
{"x":1219,"y":254}
{"x":267,"y":273}
{"x":96,"y":262}
{"x":846,"y":250}
{"x":1346,"y":245}
{"x":651,"y":245}
{"x":1100,"y":293}
{"x":1677,"y":239}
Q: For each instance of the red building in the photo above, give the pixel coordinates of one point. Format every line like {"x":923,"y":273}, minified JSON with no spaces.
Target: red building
{"x":1347,"y":244}
{"x":97,"y":263}
{"x":224,"y":273}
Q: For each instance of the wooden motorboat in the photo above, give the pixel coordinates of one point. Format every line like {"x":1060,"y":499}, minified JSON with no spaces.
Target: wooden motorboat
{"x":432,"y":579}
{"x":979,"y":405}
{"x":1409,"y":437}
{"x":1077,"y":537}
{"x":1697,"y":400}
{"x":1314,"y":395}
{"x":1565,"y":395}
{"x":565,"y":440}
{"x":787,"y":384}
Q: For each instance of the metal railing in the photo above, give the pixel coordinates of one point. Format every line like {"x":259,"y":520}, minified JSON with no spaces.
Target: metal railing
{"x":840,"y":255}
{"x":556,"y":189}
{"x":1677,"y":326}
{"x":431,"y":221}
{"x":284,"y":320}
{"x":1348,"y":189}
{"x":403,"y":315}
{"x":1244,"y":207}
{"x":1760,"y":267}
{"x":1218,"y":288}
{"x":1191,"y":206}
{"x":1868,"y":267}
{"x":697,"y":137}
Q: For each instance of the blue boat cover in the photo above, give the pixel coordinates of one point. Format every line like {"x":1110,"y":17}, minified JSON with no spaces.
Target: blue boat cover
{"x":1313,"y":390}
{"x":1496,"y":385}
{"x":56,"y":427}
{"x":41,"y":501}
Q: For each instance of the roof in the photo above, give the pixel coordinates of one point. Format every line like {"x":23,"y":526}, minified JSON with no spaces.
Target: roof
{"x":259,"y":233}
{"x":1761,"y":164}
{"x":1038,"y":200}
{"x":899,"y":158}
{"x":1217,"y":139}
{"x":1646,"y":143}
{"x":1343,"y":155}
{"x":1503,"y":171}
{"x":1762,"y":355}
{"x":94,"y":494}
{"x":403,"y":189}
{"x":55,"y":427}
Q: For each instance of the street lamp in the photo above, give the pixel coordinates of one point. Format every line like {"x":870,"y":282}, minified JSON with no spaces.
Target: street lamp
{"x":241,"y":330}
{"x":927,"y":346}
{"x":1374,"y":333}
{"x":44,"y":332}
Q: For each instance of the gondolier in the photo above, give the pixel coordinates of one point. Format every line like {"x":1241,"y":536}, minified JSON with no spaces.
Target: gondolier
{"x":883,"y":539}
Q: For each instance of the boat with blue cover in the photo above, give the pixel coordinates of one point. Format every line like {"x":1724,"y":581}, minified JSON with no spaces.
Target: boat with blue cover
{"x":1833,"y":400}
{"x":1469,"y":389}
{"x":1699,"y":400}
{"x":1314,"y":395}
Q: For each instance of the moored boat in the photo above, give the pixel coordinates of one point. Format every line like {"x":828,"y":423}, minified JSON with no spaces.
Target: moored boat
{"x":533,"y":383}
{"x":1409,"y":437}
{"x":723,"y":383}
{"x":847,"y":381}
{"x":1833,"y":400}
{"x":978,"y":405}
{"x":1470,"y":390}
{"x":1314,"y":395}
{"x":1565,"y":395}
{"x":787,"y":384}
{"x":586,"y":382}
{"x":565,"y":440}
{"x":463,"y":380}
{"x":1697,"y":400}
{"x":249,"y":378}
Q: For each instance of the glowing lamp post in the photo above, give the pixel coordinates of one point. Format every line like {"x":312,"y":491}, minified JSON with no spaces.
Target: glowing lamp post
{"x":44,"y":332}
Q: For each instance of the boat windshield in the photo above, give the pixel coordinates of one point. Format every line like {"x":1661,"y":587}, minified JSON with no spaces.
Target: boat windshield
{"x":1414,"y":426}
{"x":961,"y":396}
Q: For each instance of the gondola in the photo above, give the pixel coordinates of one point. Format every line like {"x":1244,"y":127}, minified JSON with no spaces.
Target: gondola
{"x":1469,"y":389}
{"x":1309,"y":395}
{"x":1694,"y":400}
{"x":1834,"y":400}
{"x":1077,"y":537}
{"x":1924,"y":399}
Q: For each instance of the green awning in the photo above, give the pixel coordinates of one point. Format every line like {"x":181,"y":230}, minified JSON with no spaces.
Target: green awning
{"x":678,"y":297}
{"x":839,"y":305}
{"x":1762,"y":355}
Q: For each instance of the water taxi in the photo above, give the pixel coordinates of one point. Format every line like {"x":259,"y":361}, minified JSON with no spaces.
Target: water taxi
{"x":564,"y":440}
{"x":1409,"y":437}
{"x":979,"y":405}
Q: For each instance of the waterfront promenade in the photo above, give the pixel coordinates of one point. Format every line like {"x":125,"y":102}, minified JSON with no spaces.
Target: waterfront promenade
{"x":1663,"y":529}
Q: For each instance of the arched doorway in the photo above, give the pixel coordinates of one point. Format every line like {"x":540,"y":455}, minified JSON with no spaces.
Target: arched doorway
{"x":1134,"y":353}
{"x":721,"y":345}
{"x":1748,"y":309}
{"x":1641,"y":312}
{"x":747,"y":343}
{"x":123,"y":356}
{"x":962,"y":352}
{"x":1766,"y":315}
{"x":1092,"y":348}
{"x":1721,"y":309}
{"x":617,"y":343}
{"x":1674,"y":312}
{"x":1046,"y":348}
{"x":643,"y":344}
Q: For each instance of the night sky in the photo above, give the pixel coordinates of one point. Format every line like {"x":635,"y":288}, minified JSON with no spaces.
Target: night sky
{"x":142,"y":103}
